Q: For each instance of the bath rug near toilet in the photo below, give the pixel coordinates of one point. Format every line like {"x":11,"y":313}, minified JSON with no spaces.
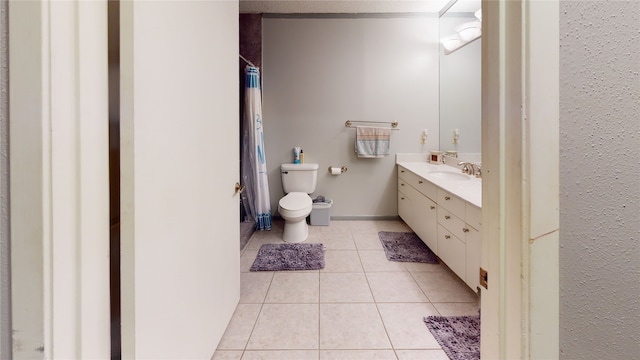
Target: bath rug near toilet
{"x":406,"y":247}
{"x":459,"y":336}
{"x":278,"y":257}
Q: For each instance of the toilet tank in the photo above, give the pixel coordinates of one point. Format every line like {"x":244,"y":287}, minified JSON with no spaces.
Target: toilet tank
{"x":299,"y":177}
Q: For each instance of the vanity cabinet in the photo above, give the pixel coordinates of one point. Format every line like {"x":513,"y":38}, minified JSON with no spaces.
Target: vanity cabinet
{"x":449,"y":225}
{"x":417,"y":207}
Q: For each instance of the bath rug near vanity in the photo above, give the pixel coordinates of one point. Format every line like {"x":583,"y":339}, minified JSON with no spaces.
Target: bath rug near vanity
{"x":459,"y":336}
{"x":277,"y":257}
{"x":406,"y":247}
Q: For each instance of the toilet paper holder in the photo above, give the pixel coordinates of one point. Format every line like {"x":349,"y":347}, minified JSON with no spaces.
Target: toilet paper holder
{"x":343,"y":169}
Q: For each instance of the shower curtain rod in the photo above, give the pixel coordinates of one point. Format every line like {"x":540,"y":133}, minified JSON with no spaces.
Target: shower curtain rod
{"x":247,"y":61}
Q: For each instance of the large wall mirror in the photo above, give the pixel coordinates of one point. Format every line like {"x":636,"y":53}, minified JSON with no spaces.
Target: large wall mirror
{"x":460,"y":79}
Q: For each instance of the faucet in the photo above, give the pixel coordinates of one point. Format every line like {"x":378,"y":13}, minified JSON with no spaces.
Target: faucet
{"x":478,"y":170}
{"x":467,"y":168}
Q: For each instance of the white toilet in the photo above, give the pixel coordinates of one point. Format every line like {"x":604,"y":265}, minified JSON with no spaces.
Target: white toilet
{"x":298,"y":181}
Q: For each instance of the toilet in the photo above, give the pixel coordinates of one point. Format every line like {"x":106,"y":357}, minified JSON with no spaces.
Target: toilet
{"x":298,"y":181}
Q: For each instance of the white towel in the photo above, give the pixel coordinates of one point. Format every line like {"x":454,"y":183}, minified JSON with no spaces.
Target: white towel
{"x":372,"y":142}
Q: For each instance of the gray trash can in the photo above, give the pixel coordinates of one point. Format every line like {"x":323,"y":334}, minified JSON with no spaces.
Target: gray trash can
{"x":321,"y":212}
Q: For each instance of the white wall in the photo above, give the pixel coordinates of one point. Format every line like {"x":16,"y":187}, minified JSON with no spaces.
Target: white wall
{"x":599,"y":185}
{"x":320,"y":72}
{"x":5,"y":273}
{"x":179,"y":156}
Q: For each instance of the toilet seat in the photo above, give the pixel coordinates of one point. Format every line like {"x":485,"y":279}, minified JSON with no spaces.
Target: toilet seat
{"x":295,"y":204}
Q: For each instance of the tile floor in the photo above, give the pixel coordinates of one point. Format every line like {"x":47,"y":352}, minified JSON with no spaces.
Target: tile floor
{"x":360,"y":306}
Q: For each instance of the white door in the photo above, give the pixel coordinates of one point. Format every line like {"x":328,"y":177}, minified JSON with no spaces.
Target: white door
{"x":179,"y":165}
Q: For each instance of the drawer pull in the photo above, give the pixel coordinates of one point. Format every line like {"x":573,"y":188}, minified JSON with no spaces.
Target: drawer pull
{"x":447,"y":217}
{"x":401,"y":171}
{"x":403,"y":199}
{"x":419,"y":181}
{"x":432,"y":207}
{"x":465,"y":230}
{"x":401,"y":184}
{"x":447,"y":237}
{"x":447,"y":198}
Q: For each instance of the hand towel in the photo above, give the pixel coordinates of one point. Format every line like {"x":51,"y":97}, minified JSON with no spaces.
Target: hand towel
{"x":372,"y":142}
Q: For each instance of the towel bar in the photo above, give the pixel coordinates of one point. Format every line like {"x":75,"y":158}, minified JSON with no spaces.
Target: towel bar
{"x":394,"y":124}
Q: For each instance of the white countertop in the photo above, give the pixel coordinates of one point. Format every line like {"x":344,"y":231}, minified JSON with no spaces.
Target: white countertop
{"x":468,"y":190}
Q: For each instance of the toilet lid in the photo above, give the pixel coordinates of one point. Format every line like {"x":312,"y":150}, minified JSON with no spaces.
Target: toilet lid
{"x":295,"y":201}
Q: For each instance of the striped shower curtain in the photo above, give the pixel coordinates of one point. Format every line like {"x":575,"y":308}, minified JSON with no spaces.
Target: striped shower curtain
{"x":254,"y":163}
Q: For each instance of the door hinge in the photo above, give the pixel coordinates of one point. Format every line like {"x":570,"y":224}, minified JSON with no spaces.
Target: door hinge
{"x":484,"y":278}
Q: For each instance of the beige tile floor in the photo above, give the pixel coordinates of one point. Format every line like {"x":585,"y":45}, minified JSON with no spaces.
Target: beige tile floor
{"x":360,"y":306}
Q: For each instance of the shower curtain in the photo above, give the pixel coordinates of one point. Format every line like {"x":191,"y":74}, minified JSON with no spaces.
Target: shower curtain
{"x":254,"y":163}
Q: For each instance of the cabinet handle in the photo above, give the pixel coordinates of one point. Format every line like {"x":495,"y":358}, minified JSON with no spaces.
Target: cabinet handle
{"x":401,"y":171}
{"x":432,"y":207}
{"x":465,"y":230}
{"x":403,"y":199}
{"x":447,"y":237}
{"x":447,"y":198}
{"x":401,"y":184}
{"x":447,"y":217}
{"x":419,"y":181}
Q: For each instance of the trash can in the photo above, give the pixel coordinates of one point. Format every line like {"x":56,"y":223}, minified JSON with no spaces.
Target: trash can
{"x":320,"y":213}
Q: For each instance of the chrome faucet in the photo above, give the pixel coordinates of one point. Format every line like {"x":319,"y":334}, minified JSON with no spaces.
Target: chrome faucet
{"x":478,"y":170}
{"x":467,"y":168}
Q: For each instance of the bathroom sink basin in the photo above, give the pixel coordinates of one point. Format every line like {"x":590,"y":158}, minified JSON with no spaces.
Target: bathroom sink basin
{"x":450,"y":175}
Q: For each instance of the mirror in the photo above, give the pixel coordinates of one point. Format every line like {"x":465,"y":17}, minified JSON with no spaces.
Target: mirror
{"x":460,"y":79}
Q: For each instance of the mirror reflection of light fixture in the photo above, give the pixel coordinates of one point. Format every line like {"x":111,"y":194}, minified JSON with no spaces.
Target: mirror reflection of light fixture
{"x":451,"y":42}
{"x":469,"y":31}
{"x":465,"y":34}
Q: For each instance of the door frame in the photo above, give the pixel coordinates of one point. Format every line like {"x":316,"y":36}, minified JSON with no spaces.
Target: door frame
{"x":59,"y":179}
{"x":520,"y":128}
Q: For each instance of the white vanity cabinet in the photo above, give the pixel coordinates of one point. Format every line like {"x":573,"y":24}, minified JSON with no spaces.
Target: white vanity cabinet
{"x":459,"y":239}
{"x":448,"y":224}
{"x":417,"y":207}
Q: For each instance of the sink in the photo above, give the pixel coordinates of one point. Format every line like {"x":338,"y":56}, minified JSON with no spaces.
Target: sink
{"x":450,"y":175}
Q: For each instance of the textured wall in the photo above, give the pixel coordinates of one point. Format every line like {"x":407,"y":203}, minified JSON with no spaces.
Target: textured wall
{"x":599,"y":182}
{"x":5,"y":295}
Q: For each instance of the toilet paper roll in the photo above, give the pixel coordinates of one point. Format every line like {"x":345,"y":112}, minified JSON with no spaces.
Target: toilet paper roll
{"x":336,"y":170}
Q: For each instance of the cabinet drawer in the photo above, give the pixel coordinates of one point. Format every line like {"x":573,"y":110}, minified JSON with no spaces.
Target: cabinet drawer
{"x":451,"y":203}
{"x":403,"y":173}
{"x":452,"y":223}
{"x":473,"y":216}
{"x":423,"y":186}
{"x":452,"y":251}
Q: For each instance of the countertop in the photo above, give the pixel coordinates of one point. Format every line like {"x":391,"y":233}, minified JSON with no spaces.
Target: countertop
{"x":468,"y":190}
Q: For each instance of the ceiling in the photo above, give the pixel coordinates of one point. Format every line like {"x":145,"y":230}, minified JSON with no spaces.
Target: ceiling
{"x":340,"y":6}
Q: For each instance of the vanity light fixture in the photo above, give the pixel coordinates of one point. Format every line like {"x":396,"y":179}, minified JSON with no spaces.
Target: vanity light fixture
{"x":478,"y":14}
{"x":451,"y":43}
{"x":469,"y":31}
{"x":465,"y":34}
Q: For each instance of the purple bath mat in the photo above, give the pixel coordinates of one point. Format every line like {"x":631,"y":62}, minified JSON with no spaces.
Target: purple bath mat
{"x":459,"y":336}
{"x":278,"y":257}
{"x":406,"y":247}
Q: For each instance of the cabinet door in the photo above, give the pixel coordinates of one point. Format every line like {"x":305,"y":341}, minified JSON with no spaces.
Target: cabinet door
{"x":427,"y":229}
{"x":405,"y":208}
{"x":452,"y":251}
{"x":474,"y":255}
